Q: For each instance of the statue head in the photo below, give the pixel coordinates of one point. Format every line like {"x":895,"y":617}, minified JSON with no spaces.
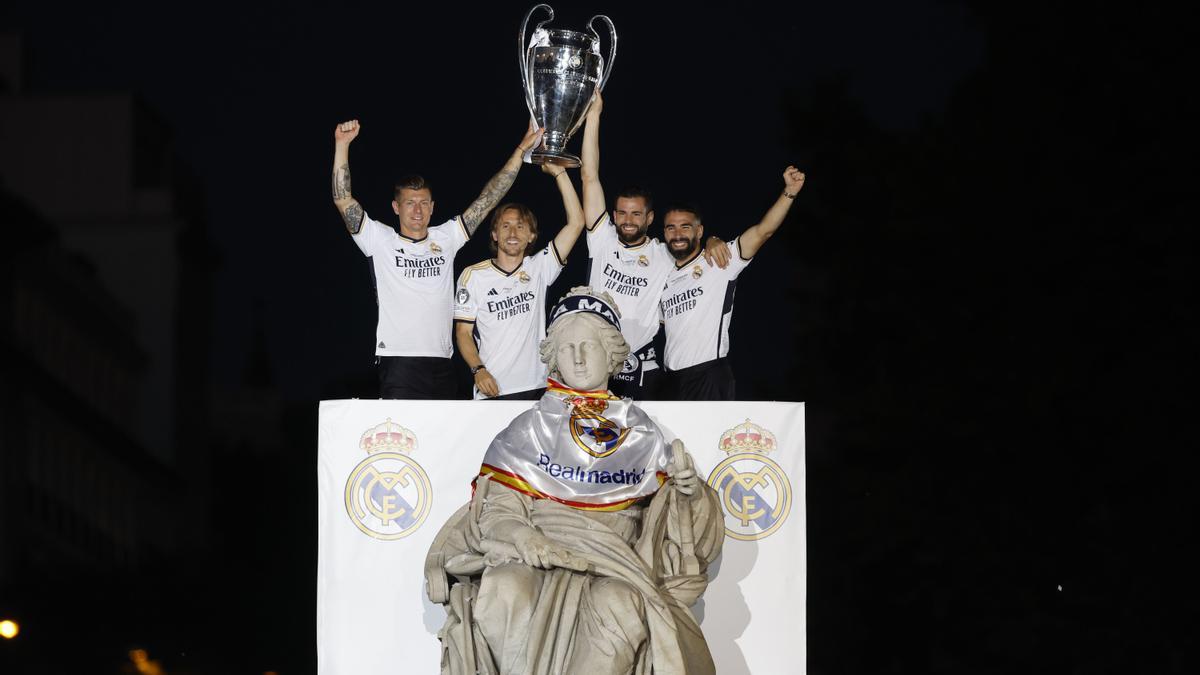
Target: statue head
{"x":584,"y":345}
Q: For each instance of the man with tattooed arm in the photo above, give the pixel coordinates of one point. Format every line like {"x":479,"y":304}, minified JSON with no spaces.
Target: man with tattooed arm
{"x":413,"y":267}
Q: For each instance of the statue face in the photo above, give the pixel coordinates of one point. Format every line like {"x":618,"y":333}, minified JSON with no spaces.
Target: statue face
{"x":582,"y":359}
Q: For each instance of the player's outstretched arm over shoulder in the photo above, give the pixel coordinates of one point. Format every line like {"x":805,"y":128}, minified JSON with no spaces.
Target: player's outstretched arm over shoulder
{"x":716,"y":252}
{"x":347,"y":205}
{"x":589,"y":172}
{"x":757,"y":235}
{"x":565,"y":240}
{"x":498,"y":186}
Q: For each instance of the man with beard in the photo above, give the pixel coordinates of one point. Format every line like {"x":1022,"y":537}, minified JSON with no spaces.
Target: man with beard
{"x":500,"y":304}
{"x":627,"y":264}
{"x":412,"y":266}
{"x":697,"y":303}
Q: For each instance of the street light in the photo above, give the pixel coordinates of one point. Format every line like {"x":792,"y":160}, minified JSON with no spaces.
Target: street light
{"x":9,"y":629}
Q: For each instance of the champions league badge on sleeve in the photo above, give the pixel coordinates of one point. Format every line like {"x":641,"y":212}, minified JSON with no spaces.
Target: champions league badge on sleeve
{"x":388,"y":495}
{"x":755,"y":492}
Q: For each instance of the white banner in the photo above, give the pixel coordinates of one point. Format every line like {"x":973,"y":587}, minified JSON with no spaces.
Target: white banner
{"x":389,"y":474}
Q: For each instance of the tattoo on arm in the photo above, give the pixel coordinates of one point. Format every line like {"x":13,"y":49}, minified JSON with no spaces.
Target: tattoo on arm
{"x":353,"y":217}
{"x":492,"y":193}
{"x":341,"y":182}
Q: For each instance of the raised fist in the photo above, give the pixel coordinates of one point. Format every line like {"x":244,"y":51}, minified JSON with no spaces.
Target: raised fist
{"x":346,"y":131}
{"x":793,"y":180}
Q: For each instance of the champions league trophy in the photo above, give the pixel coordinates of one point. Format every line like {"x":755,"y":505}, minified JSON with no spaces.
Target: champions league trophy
{"x":587,"y":538}
{"x":560,"y":70}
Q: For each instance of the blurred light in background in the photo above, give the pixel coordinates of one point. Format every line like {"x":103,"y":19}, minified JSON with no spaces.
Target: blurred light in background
{"x":9,"y":629}
{"x":141,"y":661}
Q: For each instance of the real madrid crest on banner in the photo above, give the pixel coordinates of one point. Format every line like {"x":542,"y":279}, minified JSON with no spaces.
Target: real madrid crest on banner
{"x":592,"y":432}
{"x":755,"y":492}
{"x":388,"y":494}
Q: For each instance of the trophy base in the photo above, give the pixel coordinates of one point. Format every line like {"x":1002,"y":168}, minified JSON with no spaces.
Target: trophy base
{"x":563,"y":159}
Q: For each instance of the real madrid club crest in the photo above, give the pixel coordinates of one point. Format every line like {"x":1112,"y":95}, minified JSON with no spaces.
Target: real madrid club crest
{"x":388,"y":495}
{"x":434,"y":247}
{"x":599,"y":437}
{"x":755,"y":492}
{"x":524,"y":278}
{"x":643,"y":261}
{"x":697,"y":272}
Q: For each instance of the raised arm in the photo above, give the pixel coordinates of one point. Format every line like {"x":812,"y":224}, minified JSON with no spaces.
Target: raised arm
{"x":565,"y":240}
{"x":347,"y":205}
{"x":498,"y":186}
{"x":593,"y":194}
{"x":754,"y":237}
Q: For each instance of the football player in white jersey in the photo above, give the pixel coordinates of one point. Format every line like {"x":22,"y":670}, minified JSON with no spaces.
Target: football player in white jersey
{"x":413,"y":267}
{"x":500,"y":304}
{"x":628,"y":264}
{"x":697,"y":303}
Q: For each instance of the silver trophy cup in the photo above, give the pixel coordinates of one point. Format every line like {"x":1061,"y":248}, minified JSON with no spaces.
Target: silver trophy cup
{"x":560,"y":70}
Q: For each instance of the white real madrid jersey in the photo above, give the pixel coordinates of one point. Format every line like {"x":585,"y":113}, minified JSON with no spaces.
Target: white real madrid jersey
{"x":509,"y":313}
{"x":413,"y":282}
{"x":697,"y":305}
{"x":632,"y":275}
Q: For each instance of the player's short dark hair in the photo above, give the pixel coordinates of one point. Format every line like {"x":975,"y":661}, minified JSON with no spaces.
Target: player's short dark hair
{"x":525,"y":213}
{"x":685,"y":207}
{"x":411,"y":182}
{"x":635,"y":192}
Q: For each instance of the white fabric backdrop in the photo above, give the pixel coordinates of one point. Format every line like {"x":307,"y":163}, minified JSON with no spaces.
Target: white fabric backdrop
{"x":372,"y":613}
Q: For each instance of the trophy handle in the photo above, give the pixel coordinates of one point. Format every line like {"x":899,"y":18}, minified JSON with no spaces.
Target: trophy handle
{"x":612,"y":47}
{"x":522,"y":50}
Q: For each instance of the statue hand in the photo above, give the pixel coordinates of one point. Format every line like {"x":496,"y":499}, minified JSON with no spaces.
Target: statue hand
{"x":682,"y":470}
{"x":538,"y":550}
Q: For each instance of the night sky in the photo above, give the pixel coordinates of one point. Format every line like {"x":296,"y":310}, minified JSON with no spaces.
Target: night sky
{"x":695,"y":112}
{"x":982,"y":292}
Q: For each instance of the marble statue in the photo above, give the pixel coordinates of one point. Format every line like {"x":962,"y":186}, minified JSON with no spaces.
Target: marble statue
{"x":587,"y":538}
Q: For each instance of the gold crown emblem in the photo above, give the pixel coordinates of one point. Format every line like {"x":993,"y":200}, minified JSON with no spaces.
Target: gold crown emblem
{"x":643,"y":261}
{"x":388,"y":437}
{"x":747,"y":437}
{"x":523,"y":277}
{"x":697,"y":272}
{"x":434,"y":247}
{"x":586,"y":406}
